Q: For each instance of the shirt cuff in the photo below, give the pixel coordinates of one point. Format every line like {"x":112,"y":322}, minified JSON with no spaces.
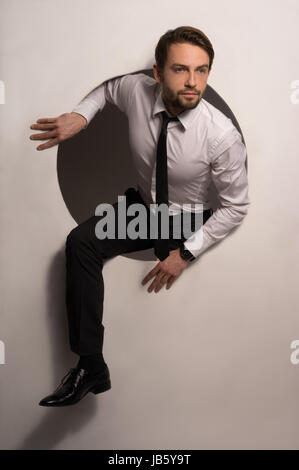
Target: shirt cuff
{"x":88,"y":109}
{"x":199,"y":242}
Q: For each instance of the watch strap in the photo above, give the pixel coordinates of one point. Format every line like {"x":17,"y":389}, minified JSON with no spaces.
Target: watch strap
{"x":186,"y":254}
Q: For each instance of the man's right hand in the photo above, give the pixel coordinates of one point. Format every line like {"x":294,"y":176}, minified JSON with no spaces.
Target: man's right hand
{"x":58,"y":129}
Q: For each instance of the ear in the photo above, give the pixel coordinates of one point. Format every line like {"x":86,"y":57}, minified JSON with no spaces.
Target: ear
{"x":156,"y":73}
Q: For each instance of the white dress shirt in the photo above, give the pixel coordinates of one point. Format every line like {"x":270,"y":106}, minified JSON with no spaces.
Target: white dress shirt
{"x":203,"y":145}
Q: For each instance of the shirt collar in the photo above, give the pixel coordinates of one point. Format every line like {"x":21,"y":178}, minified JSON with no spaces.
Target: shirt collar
{"x":186,"y":117}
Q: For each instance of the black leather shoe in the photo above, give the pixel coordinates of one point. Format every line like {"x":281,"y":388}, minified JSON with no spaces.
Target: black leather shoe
{"x":75,"y":385}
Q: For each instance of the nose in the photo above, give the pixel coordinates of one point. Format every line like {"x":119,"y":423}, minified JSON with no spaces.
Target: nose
{"x":191,"y":80}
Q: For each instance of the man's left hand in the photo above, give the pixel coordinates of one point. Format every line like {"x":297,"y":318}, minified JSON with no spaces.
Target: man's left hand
{"x":166,"y":272}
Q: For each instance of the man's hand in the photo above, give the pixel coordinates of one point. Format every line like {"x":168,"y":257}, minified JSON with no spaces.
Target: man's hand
{"x":166,"y":271}
{"x":58,"y":129}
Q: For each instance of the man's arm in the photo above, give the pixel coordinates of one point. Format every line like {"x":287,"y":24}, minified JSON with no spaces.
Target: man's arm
{"x":117,"y":91}
{"x":230,"y":178}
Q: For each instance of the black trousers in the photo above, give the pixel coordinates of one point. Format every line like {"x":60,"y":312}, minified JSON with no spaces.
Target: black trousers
{"x":85,"y":255}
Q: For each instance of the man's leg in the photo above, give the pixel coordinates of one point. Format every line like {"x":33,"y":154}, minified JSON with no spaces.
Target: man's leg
{"x":85,"y":255}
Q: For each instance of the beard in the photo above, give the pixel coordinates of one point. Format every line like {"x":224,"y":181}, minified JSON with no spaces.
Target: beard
{"x":178,"y":101}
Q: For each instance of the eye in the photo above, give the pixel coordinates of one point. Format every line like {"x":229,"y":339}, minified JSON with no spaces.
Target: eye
{"x":202,"y":70}
{"x":179,"y":69}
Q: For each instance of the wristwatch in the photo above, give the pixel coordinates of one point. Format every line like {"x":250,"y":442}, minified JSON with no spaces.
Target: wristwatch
{"x":186,"y":254}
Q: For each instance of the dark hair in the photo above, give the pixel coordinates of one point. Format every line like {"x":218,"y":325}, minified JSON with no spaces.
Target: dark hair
{"x":180,"y":35}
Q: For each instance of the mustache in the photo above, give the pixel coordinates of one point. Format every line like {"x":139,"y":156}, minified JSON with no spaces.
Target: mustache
{"x":190,"y":91}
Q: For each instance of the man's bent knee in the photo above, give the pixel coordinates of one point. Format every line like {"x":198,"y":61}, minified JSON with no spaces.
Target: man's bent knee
{"x":76,"y":235}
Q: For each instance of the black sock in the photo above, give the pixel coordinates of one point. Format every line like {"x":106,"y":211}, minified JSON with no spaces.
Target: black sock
{"x":92,"y":362}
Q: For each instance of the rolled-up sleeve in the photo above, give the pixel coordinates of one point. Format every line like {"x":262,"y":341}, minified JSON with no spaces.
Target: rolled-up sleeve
{"x":118,"y":91}
{"x":228,"y":172}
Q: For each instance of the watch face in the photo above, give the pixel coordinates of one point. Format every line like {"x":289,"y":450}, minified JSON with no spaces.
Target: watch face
{"x":189,"y":256}
{"x":186,"y":255}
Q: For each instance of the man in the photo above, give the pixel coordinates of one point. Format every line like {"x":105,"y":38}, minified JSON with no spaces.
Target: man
{"x":179,"y":143}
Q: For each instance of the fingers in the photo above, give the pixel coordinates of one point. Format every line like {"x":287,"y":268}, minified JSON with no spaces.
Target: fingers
{"x":44,"y":120}
{"x":43,"y":136}
{"x":170,"y":282}
{"x":45,"y":125}
{"x":161,"y":278}
{"x":151,"y":274}
{"x":41,"y":127}
{"x":48,"y":144}
{"x":159,"y":282}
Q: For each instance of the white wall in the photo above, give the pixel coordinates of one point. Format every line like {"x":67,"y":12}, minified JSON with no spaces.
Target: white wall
{"x":205,"y":365}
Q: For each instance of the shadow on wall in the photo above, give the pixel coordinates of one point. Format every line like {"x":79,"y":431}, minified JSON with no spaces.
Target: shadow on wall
{"x":95,"y":166}
{"x":54,"y":425}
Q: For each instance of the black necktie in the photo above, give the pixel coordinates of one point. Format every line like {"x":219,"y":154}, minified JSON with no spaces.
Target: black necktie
{"x":161,"y":246}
